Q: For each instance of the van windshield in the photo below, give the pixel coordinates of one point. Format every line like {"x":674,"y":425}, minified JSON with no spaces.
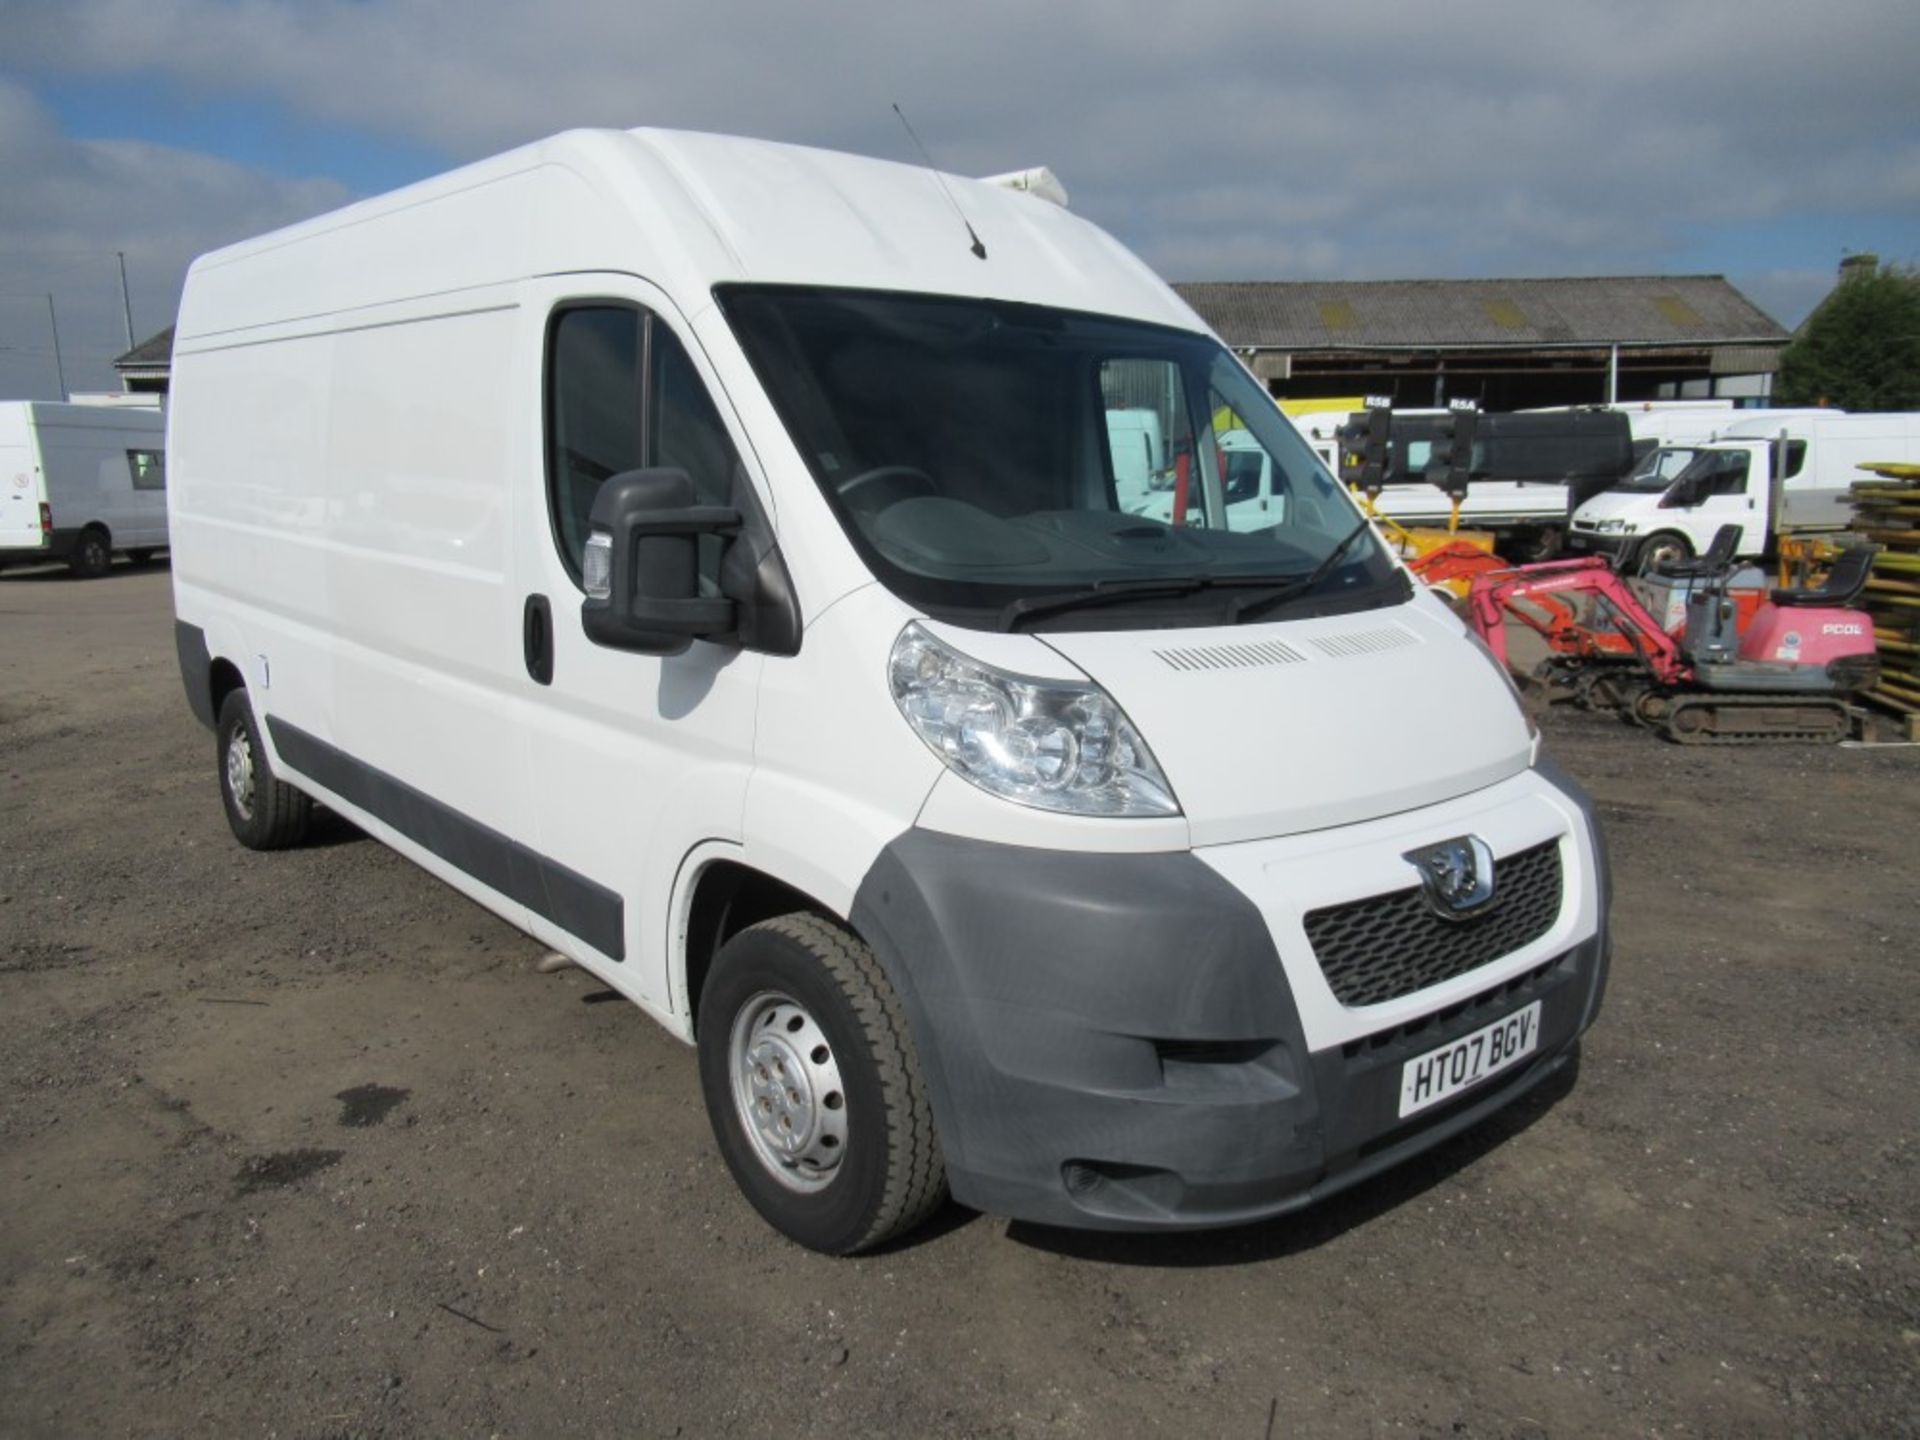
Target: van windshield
{"x":1015,"y":466}
{"x":1658,"y":469}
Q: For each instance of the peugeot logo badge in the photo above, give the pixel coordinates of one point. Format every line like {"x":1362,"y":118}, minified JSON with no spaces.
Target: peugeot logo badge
{"x":1457,"y":875}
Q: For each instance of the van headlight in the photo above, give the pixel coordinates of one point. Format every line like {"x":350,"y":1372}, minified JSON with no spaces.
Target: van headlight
{"x":1052,"y":744}
{"x":1609,"y":527}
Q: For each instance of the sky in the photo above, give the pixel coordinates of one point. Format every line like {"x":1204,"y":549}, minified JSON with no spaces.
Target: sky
{"x":1239,"y":139}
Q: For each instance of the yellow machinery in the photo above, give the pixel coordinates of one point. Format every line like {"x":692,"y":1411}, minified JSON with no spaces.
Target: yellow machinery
{"x":1445,"y":559}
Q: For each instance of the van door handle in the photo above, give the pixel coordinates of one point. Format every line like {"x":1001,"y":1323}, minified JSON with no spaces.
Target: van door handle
{"x":536,"y":639}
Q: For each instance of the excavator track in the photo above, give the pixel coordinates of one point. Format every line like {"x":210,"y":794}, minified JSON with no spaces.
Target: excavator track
{"x":1752,"y":719}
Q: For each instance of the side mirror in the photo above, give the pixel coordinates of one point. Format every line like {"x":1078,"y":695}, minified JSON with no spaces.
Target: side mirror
{"x":642,"y":565}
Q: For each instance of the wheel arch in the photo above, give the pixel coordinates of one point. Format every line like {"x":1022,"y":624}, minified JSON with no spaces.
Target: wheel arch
{"x":1643,"y":551}
{"x":210,"y":651}
{"x":720,"y":894}
{"x":223,"y":678}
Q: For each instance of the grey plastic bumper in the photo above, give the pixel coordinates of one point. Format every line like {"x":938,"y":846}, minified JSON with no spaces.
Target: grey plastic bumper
{"x":1110,"y":1041}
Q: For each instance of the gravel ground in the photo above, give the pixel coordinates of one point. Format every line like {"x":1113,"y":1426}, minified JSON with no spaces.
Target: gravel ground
{"x":301,"y":1145}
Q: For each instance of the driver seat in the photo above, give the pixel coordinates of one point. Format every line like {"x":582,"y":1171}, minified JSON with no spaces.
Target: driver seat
{"x":1843,"y":584}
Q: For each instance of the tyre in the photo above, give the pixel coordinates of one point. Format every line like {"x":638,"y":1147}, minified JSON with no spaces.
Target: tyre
{"x":141,"y":556}
{"x":1663,"y":547}
{"x":264,"y":811}
{"x":813,"y":1087}
{"x":92,"y":554}
{"x":1534,"y":546}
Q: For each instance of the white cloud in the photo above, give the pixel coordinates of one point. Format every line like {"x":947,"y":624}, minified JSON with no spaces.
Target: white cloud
{"x":1245,"y":138}
{"x":72,"y":203}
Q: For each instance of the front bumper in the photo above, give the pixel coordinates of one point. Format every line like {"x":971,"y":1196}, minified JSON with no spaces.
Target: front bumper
{"x":1112,"y":1041}
{"x":1591,"y":541}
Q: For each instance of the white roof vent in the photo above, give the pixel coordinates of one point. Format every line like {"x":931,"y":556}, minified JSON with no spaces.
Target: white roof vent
{"x":1038,"y":181}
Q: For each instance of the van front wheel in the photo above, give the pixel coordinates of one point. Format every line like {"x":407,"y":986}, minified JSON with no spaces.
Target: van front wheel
{"x":264,"y":812}
{"x":814,"y":1089}
{"x":1664,"y":547}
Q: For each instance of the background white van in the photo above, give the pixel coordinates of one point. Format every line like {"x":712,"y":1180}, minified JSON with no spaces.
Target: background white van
{"x":1138,"y":449}
{"x":78,"y":482}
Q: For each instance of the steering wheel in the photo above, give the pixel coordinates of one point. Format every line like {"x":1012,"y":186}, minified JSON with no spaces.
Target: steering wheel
{"x":906,"y":475}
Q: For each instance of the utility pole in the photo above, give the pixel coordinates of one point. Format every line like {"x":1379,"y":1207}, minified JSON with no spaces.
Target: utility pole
{"x":126,"y":303}
{"x":59,"y":369}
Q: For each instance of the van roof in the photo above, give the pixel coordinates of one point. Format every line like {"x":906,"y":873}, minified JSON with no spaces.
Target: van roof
{"x":20,"y":414}
{"x":1767,"y":424}
{"x":687,"y":211}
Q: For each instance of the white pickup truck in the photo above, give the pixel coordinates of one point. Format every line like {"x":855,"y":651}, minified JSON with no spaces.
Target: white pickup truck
{"x":1772,"y":475}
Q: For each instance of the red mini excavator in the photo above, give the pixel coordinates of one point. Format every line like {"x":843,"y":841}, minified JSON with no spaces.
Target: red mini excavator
{"x":1786,"y":678}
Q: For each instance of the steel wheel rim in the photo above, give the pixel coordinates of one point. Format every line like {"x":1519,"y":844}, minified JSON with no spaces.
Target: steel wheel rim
{"x":240,"y":772}
{"x":787,"y":1091}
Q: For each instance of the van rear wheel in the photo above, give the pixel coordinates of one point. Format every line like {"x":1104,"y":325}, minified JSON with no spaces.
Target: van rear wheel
{"x":264,"y":812}
{"x":92,"y":554}
{"x":813,"y":1087}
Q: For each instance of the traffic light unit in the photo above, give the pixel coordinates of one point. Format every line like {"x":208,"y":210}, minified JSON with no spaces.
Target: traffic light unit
{"x":1366,"y":448}
{"x":1450,"y":463}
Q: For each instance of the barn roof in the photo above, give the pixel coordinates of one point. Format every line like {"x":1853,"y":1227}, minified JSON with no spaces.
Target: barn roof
{"x":155,"y":350}
{"x":1689,"y":311}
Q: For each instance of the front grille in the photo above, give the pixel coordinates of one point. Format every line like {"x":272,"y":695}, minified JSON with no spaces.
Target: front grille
{"x":1391,"y":945}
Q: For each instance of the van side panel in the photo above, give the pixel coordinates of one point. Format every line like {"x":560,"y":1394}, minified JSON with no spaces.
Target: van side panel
{"x":1820,"y":495}
{"x":341,"y":521}
{"x":441,"y":242}
{"x":1837,"y":444}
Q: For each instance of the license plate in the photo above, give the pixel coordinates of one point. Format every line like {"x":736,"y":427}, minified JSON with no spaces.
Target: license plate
{"x":1461,"y":1064}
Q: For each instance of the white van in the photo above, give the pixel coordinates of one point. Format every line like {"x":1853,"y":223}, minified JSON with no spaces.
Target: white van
{"x":1138,"y":450}
{"x":1661,"y":422}
{"x":1255,"y":494}
{"x":705,"y":554}
{"x":1321,"y":430}
{"x":78,"y":482}
{"x":1772,"y":473}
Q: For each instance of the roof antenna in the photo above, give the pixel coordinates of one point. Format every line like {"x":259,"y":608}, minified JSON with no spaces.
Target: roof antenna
{"x":979,"y":250}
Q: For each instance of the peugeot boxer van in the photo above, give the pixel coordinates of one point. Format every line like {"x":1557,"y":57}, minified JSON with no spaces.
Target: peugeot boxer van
{"x":708,"y":556}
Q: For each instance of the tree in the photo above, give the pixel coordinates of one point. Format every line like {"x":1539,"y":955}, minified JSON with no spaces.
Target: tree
{"x":1860,"y":350}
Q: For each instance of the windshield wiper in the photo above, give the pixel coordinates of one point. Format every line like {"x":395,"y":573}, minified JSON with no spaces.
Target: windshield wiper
{"x":1245,"y":605}
{"x":1109,"y":592}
